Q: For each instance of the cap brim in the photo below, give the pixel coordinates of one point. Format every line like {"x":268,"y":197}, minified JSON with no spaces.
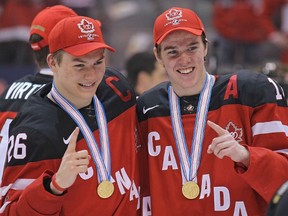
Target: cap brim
{"x":197,"y":32}
{"x":85,"y":48}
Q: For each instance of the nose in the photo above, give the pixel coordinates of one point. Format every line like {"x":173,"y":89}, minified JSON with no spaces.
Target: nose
{"x":185,"y":57}
{"x":91,"y":72}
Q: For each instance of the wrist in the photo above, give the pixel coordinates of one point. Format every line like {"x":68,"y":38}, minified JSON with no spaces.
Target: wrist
{"x":245,"y":157}
{"x":55,"y":187}
{"x":240,"y":167}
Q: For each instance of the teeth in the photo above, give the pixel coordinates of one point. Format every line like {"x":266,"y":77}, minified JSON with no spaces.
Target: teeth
{"x":185,"y":71}
{"x":86,"y":85}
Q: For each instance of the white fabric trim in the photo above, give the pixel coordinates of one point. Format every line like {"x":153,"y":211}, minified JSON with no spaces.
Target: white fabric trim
{"x":46,"y":71}
{"x":4,"y":190}
{"x":4,"y":206}
{"x":269,"y":127}
{"x":285,"y":151}
{"x":19,"y":184}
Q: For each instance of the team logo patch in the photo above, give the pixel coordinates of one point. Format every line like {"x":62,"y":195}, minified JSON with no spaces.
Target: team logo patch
{"x":174,"y":14}
{"x":236,"y":132}
{"x":145,"y":110}
{"x":86,"y":27}
{"x":67,"y":141}
{"x":174,"y":17}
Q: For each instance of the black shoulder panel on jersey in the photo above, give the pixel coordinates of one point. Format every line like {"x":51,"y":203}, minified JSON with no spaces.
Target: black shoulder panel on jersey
{"x":253,"y":89}
{"x":42,"y":125}
{"x":243,"y":87}
{"x":115,"y":93}
{"x":154,"y":102}
{"x":18,"y":92}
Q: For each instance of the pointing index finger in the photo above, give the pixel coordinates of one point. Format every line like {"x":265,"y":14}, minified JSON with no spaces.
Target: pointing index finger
{"x":219,"y":130}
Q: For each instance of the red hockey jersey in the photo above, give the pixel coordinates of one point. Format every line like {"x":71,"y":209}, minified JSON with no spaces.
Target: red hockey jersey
{"x":253,"y":109}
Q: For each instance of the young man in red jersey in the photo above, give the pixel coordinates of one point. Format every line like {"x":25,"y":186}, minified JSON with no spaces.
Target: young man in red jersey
{"x":210,"y":145}
{"x":69,"y":153}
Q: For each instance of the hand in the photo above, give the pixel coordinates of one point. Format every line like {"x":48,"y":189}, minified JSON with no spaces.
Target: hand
{"x":73,"y":163}
{"x":226,"y":145}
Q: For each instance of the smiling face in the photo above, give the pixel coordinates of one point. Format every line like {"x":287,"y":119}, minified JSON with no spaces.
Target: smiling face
{"x":77,"y":78}
{"x":182,"y":54}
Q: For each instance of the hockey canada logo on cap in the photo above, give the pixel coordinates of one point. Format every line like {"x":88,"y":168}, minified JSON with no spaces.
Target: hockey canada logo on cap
{"x":174,"y":14}
{"x":174,"y":17}
{"x":87,"y":28}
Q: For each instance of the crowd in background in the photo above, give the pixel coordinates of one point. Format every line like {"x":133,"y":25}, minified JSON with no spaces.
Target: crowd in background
{"x":242,"y":34}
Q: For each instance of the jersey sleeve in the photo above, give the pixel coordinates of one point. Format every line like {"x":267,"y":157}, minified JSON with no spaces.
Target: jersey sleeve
{"x":23,"y":187}
{"x":269,"y":146}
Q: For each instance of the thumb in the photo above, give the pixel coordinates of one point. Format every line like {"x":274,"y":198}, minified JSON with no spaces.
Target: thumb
{"x":72,"y":144}
{"x":219,"y":130}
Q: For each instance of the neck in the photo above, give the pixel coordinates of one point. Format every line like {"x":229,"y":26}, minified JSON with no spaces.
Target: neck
{"x":190,"y":91}
{"x":78,"y":105}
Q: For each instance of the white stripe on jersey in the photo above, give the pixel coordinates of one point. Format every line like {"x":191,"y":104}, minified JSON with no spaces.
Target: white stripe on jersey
{"x":19,"y":184}
{"x":285,"y":151}
{"x":4,"y":206}
{"x":269,"y":127}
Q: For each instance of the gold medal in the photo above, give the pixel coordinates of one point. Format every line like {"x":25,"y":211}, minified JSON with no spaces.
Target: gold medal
{"x":105,"y":189}
{"x":190,"y":190}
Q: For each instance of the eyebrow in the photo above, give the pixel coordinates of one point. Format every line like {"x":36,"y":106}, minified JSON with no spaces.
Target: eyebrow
{"x":82,"y":61}
{"x":173,"y":47}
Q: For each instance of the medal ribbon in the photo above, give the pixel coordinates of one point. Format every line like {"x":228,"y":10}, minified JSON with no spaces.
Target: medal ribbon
{"x":101,"y":159}
{"x":190,"y":163}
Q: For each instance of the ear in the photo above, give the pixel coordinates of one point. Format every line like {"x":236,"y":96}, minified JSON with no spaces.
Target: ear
{"x":206,"y":49}
{"x":51,"y":62}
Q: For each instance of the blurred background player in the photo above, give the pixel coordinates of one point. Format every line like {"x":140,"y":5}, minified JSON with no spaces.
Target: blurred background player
{"x":144,"y":72}
{"x":249,"y":33}
{"x":13,"y":98}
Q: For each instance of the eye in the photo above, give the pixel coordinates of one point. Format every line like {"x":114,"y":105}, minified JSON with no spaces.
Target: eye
{"x":172,"y":53}
{"x":192,"y":48}
{"x":79,"y":66}
{"x":99,"y":62}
